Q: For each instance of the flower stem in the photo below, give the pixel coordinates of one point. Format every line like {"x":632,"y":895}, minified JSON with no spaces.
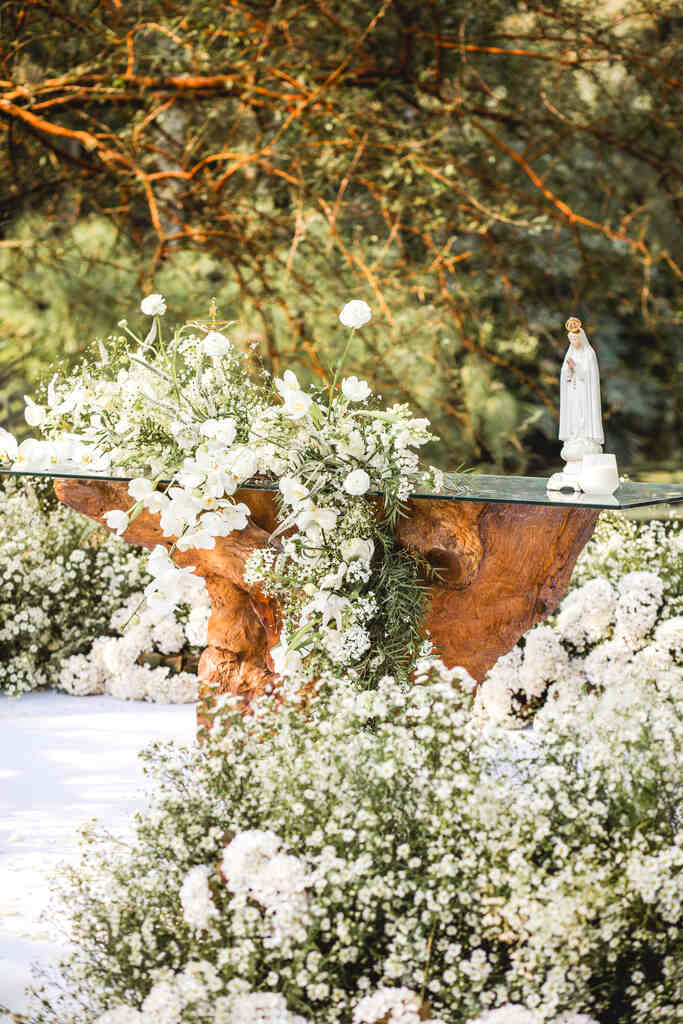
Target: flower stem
{"x":338,"y":368}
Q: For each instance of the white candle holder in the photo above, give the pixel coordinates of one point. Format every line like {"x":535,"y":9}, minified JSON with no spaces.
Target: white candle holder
{"x":599,"y":474}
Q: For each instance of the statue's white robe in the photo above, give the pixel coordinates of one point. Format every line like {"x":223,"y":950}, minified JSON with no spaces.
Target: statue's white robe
{"x":580,"y":406}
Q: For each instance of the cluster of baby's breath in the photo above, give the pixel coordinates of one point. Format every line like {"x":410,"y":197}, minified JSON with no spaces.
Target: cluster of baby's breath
{"x":344,"y":854}
{"x":61,"y":583}
{"x":620,"y":545}
{"x":621,"y":621}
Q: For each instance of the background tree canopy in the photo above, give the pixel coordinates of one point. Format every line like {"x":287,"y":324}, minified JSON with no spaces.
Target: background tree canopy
{"x":477,"y":170}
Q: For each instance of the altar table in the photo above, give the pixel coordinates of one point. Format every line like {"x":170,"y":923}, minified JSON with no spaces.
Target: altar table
{"x":504,"y":546}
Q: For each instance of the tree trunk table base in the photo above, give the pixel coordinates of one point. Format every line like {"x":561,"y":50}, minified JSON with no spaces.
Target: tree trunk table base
{"x":504,"y":568}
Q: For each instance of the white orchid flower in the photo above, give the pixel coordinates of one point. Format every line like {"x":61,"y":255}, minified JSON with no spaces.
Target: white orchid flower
{"x":8,"y":445}
{"x":145,"y":491}
{"x":41,"y":455}
{"x":140,"y":488}
{"x":331,"y":608}
{"x":297,"y":404}
{"x":355,"y":314}
{"x":312,"y":517}
{"x":181,"y":511}
{"x":285,"y":661}
{"x":89,"y":456}
{"x":236,"y":516}
{"x":293,"y":491}
{"x":196,"y":539}
{"x":243,"y":463}
{"x":116,"y":520}
{"x":34,"y":414}
{"x":288,"y":384}
{"x":224,"y":431}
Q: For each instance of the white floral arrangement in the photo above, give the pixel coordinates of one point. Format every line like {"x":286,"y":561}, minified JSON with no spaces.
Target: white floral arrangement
{"x":377,"y":857}
{"x":621,"y":622}
{"x":187,"y":420}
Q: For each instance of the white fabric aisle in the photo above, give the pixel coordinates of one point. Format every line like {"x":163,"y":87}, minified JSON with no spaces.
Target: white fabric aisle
{"x":63,"y":761}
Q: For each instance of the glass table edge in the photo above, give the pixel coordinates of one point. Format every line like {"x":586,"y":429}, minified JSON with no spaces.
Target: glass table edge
{"x":544,"y":499}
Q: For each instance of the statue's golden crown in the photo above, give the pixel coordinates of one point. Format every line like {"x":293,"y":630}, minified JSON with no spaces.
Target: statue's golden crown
{"x":573,"y":325}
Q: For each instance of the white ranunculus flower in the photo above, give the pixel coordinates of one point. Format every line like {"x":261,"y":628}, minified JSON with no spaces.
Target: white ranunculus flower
{"x":116,"y":520}
{"x":153,"y":305}
{"x":355,"y":390}
{"x":355,"y":313}
{"x":358,"y":547}
{"x":34,"y":414}
{"x":8,"y":445}
{"x":216,"y":344}
{"x":357,"y":482}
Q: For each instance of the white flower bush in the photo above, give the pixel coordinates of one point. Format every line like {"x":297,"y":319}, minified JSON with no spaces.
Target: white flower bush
{"x":70,"y":614}
{"x":621,"y":621}
{"x":183,"y":416}
{"x":381,"y":856}
{"x":129,"y":665}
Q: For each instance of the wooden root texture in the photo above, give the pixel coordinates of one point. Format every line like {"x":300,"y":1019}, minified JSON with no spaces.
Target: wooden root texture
{"x":503,"y":569}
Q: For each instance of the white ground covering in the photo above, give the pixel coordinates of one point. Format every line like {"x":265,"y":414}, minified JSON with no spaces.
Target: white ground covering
{"x":63,"y":761}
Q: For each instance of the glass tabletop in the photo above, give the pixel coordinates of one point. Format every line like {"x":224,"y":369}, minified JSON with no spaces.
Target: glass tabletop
{"x":510,"y":490}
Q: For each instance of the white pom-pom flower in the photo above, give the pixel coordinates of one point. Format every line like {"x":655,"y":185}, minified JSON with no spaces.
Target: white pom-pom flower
{"x":357,"y":482}
{"x":216,"y":344}
{"x":153,"y":305}
{"x":355,"y":314}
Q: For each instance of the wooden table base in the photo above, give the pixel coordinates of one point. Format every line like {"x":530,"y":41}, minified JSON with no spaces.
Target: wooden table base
{"x":504,"y":568}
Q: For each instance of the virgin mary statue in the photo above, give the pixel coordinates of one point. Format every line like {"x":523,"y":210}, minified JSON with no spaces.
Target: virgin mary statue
{"x":580,"y":408}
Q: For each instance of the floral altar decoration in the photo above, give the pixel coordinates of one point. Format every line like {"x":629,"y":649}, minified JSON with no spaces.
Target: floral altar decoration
{"x":184,"y":417}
